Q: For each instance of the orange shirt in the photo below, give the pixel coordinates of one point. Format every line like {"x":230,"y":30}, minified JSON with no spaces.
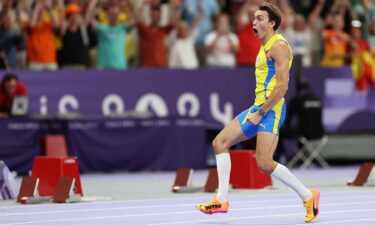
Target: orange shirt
{"x":334,"y":44}
{"x":152,"y":45}
{"x":334,"y":49}
{"x":41,"y":46}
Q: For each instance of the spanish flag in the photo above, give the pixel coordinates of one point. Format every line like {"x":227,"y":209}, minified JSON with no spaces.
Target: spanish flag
{"x":363,"y":68}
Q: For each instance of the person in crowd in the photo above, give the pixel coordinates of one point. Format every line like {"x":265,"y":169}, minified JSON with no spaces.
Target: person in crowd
{"x":359,"y":43}
{"x":371,"y":35}
{"x":301,"y":34}
{"x":221,"y":44}
{"x":365,"y":9}
{"x":148,"y":5}
{"x":153,"y":50}
{"x":11,"y":8}
{"x":111,"y":37}
{"x":19,"y":18}
{"x":10,"y":87}
{"x":346,"y":10}
{"x":182,"y":53}
{"x":300,"y":38}
{"x":335,"y":41}
{"x":248,"y":44}
{"x":40,"y":44}
{"x":362,"y":59}
{"x":303,"y":7}
{"x":10,"y":41}
{"x":76,"y":38}
{"x":190,"y":9}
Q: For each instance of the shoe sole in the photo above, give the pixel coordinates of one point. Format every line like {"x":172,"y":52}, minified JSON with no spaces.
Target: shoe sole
{"x":317,"y":199}
{"x":316,"y":203}
{"x":213,"y":212}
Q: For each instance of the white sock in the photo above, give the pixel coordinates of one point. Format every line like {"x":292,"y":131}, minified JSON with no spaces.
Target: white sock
{"x":223,"y":164}
{"x":284,"y":175}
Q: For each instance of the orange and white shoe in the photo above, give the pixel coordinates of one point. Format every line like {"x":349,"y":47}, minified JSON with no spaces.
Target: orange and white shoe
{"x":312,"y":206}
{"x":214,"y":206}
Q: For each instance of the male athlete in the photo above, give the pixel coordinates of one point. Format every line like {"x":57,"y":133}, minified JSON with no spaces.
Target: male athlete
{"x":263,"y":118}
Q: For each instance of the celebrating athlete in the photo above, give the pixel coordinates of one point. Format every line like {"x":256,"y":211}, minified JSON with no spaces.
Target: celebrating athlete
{"x":264,"y":118}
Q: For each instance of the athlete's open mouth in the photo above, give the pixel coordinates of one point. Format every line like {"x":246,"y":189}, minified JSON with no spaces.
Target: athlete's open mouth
{"x":255,"y":31}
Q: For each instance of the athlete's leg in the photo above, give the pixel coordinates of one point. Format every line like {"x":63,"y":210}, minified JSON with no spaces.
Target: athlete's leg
{"x":266,"y":145}
{"x":267,"y":140}
{"x":235,"y":132}
{"x":229,"y":136}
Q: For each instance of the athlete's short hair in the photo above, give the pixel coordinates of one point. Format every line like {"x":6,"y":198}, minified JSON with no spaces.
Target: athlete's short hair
{"x":273,"y":13}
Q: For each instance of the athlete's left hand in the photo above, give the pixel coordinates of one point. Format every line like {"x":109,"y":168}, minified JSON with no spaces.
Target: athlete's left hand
{"x":254,"y":118}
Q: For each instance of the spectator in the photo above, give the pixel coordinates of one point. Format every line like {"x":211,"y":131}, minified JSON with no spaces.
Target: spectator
{"x":335,"y":41}
{"x":358,"y":43}
{"x":301,"y":35}
{"x":41,"y":46}
{"x":75,"y":38}
{"x":303,"y":7}
{"x":183,"y":53}
{"x":365,"y":10}
{"x":286,"y":11}
{"x":21,"y":15}
{"x":190,"y":10}
{"x":10,"y":88}
{"x":221,"y":44}
{"x":149,"y":5}
{"x":103,"y":15}
{"x":371,"y":36}
{"x":131,"y":45}
{"x":300,"y":39}
{"x":153,"y":51}
{"x":248,"y":44}
{"x":9,"y":42}
{"x":111,"y":38}
{"x":9,"y":8}
{"x":361,"y":59}
{"x":346,"y":10}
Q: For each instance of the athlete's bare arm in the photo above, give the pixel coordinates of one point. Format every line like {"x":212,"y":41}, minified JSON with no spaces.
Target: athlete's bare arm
{"x":281,"y":54}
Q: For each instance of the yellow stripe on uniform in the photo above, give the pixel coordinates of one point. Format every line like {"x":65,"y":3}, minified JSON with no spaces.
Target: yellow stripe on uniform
{"x":244,"y":120}
{"x":278,"y":109}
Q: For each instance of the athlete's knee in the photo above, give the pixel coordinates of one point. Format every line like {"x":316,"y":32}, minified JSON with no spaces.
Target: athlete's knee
{"x":265,"y":164}
{"x":220,"y":145}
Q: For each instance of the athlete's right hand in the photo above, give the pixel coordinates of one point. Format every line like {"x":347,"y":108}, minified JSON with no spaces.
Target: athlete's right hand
{"x":253,"y":118}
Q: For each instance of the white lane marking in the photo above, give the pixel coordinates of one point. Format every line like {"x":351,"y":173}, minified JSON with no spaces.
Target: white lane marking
{"x":255,"y":217}
{"x":339,"y":221}
{"x":250,"y":195}
{"x":195,"y":211}
{"x":174,"y":205}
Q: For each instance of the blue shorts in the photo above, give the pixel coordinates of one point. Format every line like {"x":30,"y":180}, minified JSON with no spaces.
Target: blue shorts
{"x":270,"y":122}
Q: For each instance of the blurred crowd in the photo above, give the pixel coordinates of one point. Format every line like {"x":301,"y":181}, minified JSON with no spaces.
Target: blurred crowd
{"x":118,"y":34}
